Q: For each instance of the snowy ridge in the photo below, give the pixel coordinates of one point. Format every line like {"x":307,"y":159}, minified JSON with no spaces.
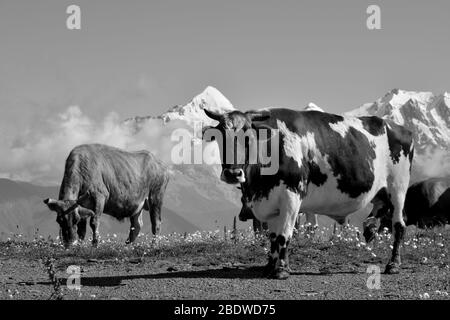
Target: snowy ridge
{"x":192,"y":112}
{"x":312,"y":107}
{"x":211,"y":99}
{"x":424,"y":113}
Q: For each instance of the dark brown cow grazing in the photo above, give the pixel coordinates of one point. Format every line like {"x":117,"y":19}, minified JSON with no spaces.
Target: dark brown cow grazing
{"x":427,"y":205}
{"x":100,"y":178}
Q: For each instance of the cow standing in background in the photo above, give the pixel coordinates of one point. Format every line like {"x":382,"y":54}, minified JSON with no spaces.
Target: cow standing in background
{"x":427,"y":205}
{"x":99,"y":178}
{"x":328,"y":164}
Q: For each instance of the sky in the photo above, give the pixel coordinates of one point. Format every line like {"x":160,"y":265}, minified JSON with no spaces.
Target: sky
{"x":142,"y":57}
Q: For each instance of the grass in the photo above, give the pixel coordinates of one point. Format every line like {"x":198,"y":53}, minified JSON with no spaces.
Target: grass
{"x":326,"y":251}
{"x":420,"y":246}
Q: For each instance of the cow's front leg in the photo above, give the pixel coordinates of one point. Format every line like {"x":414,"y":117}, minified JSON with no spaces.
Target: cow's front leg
{"x":135,"y":227}
{"x":81,"y":229}
{"x":94,"y":222}
{"x":282,"y":228}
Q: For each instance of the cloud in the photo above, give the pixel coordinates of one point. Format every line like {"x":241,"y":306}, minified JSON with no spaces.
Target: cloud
{"x":38,"y":153}
{"x":433,"y":162}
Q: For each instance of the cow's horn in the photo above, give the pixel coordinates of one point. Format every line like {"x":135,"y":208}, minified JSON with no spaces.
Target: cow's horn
{"x":213,"y":115}
{"x":49,"y":201}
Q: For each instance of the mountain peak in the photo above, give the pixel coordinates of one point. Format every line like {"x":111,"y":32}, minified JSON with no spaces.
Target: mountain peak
{"x":425,"y":114}
{"x":312,"y":106}
{"x":210,"y":98}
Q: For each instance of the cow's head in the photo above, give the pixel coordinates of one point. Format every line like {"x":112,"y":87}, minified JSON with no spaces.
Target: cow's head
{"x":238,"y":132}
{"x":68,"y":214}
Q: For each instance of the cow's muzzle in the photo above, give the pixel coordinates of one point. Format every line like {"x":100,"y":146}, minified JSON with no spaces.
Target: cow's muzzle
{"x":233,"y":176}
{"x":246,"y":213}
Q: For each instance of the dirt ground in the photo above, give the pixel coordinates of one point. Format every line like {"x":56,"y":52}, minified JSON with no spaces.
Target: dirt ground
{"x":223,"y":270}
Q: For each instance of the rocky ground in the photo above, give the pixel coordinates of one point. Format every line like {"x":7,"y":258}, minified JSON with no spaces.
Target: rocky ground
{"x":209,"y":266}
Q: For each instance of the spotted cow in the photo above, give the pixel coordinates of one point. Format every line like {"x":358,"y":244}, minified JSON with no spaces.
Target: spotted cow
{"x":327,"y":164}
{"x":427,"y":205}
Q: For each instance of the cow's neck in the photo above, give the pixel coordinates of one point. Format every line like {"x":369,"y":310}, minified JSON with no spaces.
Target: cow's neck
{"x":257,"y":185}
{"x":295,"y":176}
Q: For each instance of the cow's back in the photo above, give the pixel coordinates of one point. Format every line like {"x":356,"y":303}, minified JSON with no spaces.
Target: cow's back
{"x":123,"y":178}
{"x":345,"y":160}
{"x":339,"y":154}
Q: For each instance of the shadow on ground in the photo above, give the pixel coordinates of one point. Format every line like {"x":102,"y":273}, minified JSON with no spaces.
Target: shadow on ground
{"x":255,"y":272}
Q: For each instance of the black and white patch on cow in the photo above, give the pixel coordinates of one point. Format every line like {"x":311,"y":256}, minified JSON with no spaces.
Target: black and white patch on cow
{"x":328,"y":164}
{"x":102,"y":179}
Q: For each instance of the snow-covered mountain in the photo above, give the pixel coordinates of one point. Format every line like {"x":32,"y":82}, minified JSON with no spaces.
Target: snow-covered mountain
{"x":424,"y":113}
{"x":427,"y":115}
{"x":211,"y":99}
{"x":312,"y":107}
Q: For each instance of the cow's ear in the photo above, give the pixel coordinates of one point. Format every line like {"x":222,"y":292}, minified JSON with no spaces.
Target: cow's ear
{"x":49,"y":201}
{"x":84,"y":212}
{"x":52,"y":204}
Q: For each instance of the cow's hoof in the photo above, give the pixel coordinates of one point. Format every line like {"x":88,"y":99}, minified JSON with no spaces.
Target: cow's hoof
{"x":392,"y":268}
{"x":280,"y":274}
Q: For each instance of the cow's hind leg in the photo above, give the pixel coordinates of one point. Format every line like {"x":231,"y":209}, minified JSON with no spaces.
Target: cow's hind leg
{"x":311,"y":223}
{"x":281,"y":228}
{"x":397,"y":192}
{"x":135,"y":227}
{"x":155,"y":214}
{"x":154,"y":204}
